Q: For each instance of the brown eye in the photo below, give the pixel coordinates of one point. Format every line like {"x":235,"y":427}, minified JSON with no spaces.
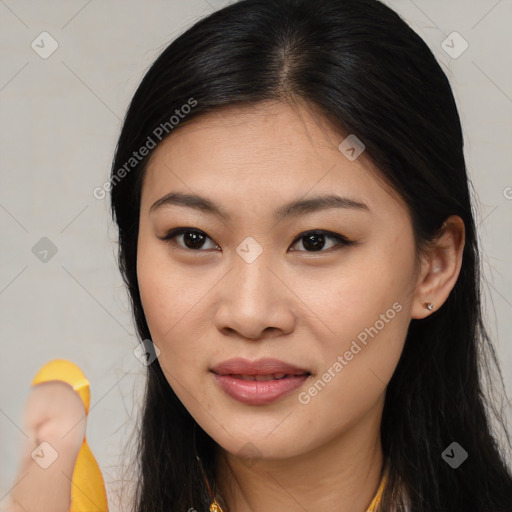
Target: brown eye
{"x":315,"y":241}
{"x":193,"y":239}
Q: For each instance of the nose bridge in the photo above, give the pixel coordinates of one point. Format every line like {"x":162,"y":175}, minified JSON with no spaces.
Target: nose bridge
{"x":255,"y":303}
{"x":250,"y":303}
{"x":254,"y":290}
{"x":251,"y":267}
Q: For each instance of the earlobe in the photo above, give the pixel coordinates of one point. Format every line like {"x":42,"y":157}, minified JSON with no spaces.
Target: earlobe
{"x":440,"y":268}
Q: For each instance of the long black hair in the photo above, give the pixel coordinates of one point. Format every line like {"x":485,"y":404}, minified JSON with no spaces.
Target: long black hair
{"x":365,"y":70}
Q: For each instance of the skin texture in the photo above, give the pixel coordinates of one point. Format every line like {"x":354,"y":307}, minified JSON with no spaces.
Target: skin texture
{"x":54,"y":413}
{"x":302,"y":306}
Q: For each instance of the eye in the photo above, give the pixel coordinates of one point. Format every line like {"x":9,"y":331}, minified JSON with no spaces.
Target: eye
{"x":313,"y":241}
{"x":193,"y":238}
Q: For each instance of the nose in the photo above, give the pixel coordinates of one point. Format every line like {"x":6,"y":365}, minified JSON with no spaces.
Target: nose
{"x":255,"y":301}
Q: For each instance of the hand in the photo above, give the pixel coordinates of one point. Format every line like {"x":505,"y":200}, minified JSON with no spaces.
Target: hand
{"x":54,"y":414}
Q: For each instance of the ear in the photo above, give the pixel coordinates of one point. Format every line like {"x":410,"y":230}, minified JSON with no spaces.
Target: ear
{"x":440,"y":268}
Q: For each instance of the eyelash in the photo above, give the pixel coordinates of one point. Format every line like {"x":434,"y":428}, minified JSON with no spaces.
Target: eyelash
{"x":341,"y":240}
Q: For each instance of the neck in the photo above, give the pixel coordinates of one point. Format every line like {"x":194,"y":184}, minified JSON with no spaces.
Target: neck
{"x":342,"y":475}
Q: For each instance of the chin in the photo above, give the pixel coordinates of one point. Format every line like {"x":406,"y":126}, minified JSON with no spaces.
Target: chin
{"x":254,"y":442}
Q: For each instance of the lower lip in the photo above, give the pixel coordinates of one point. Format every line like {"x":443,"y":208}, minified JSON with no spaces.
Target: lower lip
{"x":253,"y":392}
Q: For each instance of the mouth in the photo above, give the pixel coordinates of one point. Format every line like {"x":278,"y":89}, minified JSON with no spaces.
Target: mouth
{"x":266,"y":377}
{"x":258,"y":382}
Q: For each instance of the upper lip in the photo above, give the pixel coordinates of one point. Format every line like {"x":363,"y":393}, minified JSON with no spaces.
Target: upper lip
{"x":265,"y":366}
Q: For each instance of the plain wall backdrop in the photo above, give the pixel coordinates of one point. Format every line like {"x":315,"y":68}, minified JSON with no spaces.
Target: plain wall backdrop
{"x":60,"y":115}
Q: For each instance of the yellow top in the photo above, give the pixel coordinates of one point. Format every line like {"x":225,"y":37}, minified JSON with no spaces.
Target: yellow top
{"x":215,"y":507}
{"x":378,"y":496}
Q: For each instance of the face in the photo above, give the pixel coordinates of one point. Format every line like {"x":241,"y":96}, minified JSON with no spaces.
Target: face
{"x":326,"y":291}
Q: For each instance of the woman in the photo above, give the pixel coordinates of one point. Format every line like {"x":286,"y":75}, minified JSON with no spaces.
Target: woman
{"x":259,"y":105}
{"x":296,"y":235}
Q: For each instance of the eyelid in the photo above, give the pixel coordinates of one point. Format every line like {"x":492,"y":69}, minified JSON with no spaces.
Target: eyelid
{"x":340,"y":239}
{"x":173,"y":233}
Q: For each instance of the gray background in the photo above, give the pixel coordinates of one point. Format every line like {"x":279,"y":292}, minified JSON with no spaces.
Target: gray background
{"x":60,"y":118}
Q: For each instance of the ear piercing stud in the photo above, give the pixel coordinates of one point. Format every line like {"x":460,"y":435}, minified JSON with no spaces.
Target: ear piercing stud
{"x":429,"y":306}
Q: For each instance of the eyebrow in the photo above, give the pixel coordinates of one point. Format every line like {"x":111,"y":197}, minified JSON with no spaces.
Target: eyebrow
{"x":292,"y":209}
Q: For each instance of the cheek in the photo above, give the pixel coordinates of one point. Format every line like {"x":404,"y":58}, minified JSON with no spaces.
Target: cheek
{"x":368,"y":325}
{"x":171,"y":299}
{"x":366,"y":314}
{"x":365,"y":287}
{"x":156,"y":300}
{"x":161,"y":287}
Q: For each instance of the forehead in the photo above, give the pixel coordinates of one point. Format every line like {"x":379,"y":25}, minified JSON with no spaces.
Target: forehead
{"x":263,"y":152}
{"x":256,"y":130}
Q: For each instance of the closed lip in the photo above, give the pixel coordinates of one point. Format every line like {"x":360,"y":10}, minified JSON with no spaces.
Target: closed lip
{"x":265,"y":366}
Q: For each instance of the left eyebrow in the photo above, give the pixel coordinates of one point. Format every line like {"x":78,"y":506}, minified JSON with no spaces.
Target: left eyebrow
{"x":326,"y":202}
{"x":292,"y":209}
